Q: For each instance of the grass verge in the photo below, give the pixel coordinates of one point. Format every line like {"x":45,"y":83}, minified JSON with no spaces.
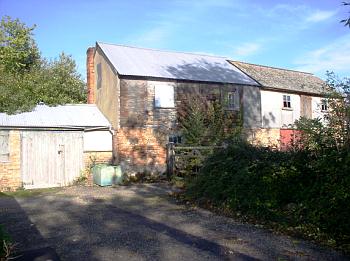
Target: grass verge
{"x":29,"y":192}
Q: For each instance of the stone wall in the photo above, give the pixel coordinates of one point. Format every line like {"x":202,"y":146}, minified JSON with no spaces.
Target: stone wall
{"x":10,"y":172}
{"x":141,"y":129}
{"x":264,"y":137}
{"x":140,"y":142}
{"x":107,"y":91}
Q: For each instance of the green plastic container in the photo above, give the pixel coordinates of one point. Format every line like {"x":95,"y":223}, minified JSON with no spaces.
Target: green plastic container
{"x":103,"y":175}
{"x":106,"y":175}
{"x":118,"y":175}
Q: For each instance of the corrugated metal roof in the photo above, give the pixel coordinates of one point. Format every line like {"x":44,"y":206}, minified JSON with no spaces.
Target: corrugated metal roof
{"x":133,"y":61}
{"x":75,"y":115}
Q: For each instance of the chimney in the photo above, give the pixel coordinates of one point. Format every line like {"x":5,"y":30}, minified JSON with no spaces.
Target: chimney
{"x":90,"y":78}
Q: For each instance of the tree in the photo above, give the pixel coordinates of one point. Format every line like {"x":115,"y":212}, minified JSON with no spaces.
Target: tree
{"x":204,"y":122}
{"x":346,"y":21}
{"x":18,"y":50}
{"x":27,"y":79}
{"x":333,"y":132}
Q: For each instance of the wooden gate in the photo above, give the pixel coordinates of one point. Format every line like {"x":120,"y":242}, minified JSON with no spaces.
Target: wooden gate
{"x":187,"y":160}
{"x":51,"y":158}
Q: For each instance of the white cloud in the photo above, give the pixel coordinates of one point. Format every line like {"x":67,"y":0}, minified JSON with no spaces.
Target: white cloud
{"x":333,"y":57}
{"x":246,"y":49}
{"x":155,"y":37}
{"x":319,"y":16}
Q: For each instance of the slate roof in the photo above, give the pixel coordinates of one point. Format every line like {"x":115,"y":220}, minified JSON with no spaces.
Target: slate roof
{"x":134,"y":61}
{"x":82,"y":116}
{"x":283,"y":79}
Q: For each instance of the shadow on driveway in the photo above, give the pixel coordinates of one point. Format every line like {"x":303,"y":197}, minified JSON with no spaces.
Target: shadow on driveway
{"x":138,"y":223}
{"x":29,"y":244}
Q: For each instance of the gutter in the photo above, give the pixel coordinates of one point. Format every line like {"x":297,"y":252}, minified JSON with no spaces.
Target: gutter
{"x":56,"y":128}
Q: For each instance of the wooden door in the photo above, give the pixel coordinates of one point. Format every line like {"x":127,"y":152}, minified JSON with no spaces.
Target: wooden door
{"x":305,"y":106}
{"x":51,"y":158}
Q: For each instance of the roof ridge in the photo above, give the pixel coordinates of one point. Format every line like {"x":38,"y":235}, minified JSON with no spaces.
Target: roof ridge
{"x":164,"y":51}
{"x":272,"y":67}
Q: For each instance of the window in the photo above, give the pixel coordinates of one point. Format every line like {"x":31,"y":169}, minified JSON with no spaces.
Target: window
{"x":4,"y":146}
{"x":324,"y":105}
{"x":164,"y":96}
{"x":99,"y":75}
{"x":231,"y":100}
{"x":286,"y":101}
{"x":176,"y":139}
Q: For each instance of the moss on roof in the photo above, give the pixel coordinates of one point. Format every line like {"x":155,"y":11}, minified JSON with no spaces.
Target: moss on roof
{"x":283,"y":79}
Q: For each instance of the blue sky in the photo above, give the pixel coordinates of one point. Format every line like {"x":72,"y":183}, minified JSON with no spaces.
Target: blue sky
{"x":301,"y":35}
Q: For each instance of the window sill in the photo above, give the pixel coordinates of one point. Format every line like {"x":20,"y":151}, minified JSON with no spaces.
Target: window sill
{"x":287,"y":109}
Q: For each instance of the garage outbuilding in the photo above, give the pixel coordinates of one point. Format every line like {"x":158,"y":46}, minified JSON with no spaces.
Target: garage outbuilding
{"x":52,"y":146}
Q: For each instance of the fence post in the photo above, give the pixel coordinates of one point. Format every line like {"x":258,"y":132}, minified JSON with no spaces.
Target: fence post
{"x":170,"y":159}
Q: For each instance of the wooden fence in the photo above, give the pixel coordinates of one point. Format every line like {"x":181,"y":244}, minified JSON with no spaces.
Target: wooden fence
{"x":187,"y":160}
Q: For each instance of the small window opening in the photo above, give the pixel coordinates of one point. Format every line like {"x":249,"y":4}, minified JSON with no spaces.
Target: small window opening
{"x":324,"y":105}
{"x":176,"y":139}
{"x":4,"y":146}
{"x":287,"y":101}
{"x":99,"y":75}
{"x":231,"y":100}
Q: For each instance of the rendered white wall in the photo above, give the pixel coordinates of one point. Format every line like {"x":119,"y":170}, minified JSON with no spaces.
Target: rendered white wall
{"x":316,"y":108}
{"x":272,"y":112}
{"x":98,"y":141}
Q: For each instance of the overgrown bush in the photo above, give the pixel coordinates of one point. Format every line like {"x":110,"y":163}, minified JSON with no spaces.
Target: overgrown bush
{"x":305,"y":189}
{"x":293,"y":188}
{"x":206,"y":122}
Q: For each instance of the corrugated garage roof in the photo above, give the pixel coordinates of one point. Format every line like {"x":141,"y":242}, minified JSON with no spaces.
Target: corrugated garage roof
{"x":75,"y":115}
{"x":133,"y":61}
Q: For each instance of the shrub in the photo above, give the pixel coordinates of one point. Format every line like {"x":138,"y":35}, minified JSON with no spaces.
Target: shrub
{"x":6,"y":246}
{"x":306,"y":188}
{"x":294,"y":188}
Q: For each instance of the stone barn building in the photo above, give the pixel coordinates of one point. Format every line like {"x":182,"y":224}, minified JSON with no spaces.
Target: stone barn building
{"x":139,"y":90}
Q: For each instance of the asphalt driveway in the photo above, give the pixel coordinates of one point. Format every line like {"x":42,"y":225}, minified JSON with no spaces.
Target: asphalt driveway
{"x":140,"y":222}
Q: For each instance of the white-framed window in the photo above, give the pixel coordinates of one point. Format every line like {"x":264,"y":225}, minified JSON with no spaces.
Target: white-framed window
{"x":4,"y":146}
{"x":324,"y":105}
{"x":99,"y":75}
{"x":287,"y":101}
{"x":164,"y":96}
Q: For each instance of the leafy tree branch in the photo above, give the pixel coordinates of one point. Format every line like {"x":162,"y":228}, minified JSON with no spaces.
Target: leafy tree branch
{"x":27,"y":79}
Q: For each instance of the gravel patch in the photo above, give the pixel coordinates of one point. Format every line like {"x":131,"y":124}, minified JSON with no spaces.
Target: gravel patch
{"x":141,"y":222}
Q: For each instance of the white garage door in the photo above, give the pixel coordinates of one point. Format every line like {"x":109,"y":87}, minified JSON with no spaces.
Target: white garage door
{"x":51,"y":158}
